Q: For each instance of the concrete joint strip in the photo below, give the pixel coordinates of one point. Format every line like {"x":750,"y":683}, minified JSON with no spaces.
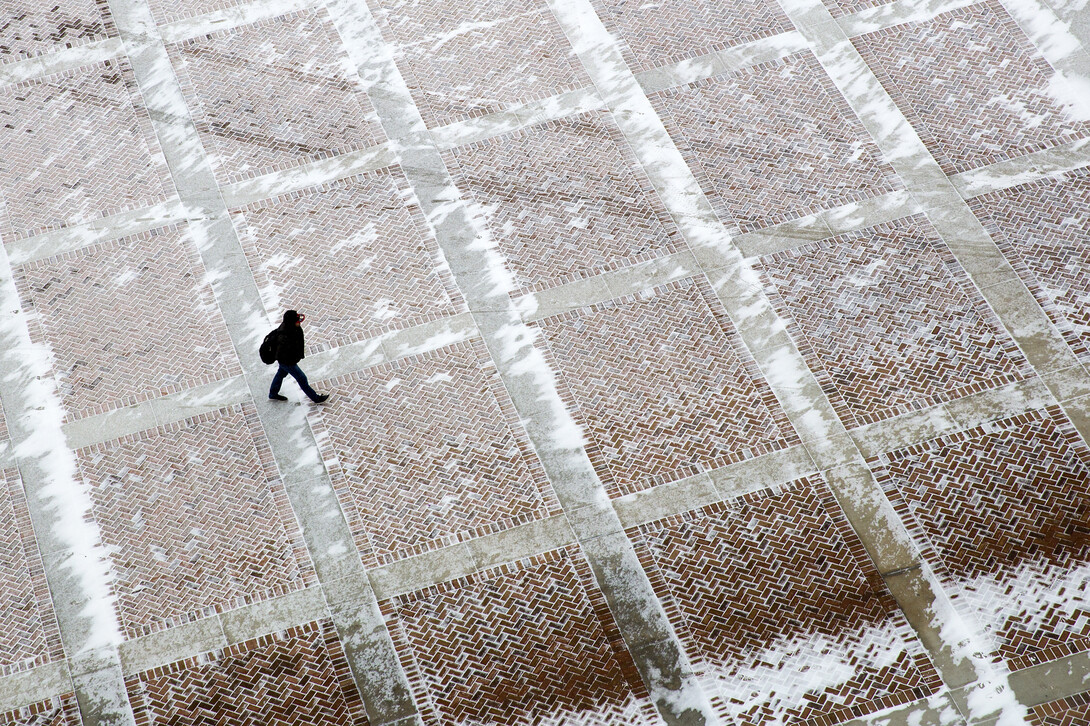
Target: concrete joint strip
{"x":1023,"y":169}
{"x":171,"y":645}
{"x":896,"y":13}
{"x":230,"y":17}
{"x":322,"y":171}
{"x":873,"y":518}
{"x":61,"y":60}
{"x":937,"y":625}
{"x":74,"y":560}
{"x":77,"y":236}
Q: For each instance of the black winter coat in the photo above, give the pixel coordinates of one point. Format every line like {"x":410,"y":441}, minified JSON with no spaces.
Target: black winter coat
{"x":289,"y":348}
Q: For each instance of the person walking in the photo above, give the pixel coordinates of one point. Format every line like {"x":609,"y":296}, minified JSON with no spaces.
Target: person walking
{"x":289,"y":351}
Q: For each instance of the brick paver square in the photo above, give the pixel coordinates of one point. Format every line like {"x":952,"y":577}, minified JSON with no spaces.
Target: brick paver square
{"x":1041,"y":228}
{"x":30,"y":636}
{"x":57,"y":711}
{"x":565,"y":200}
{"x":663,"y":386}
{"x":1070,"y":711}
{"x":660,"y":33}
{"x":1000,"y":512}
{"x":78,"y":145}
{"x":427,"y":451}
{"x":29,"y":27}
{"x":773,"y":142}
{"x":196,"y":518}
{"x":127,"y":320}
{"x":298,"y":677}
{"x":477,"y":58}
{"x":527,"y":642}
{"x":889,"y":322}
{"x":354,"y":254}
{"x":972,"y":85}
{"x":781,"y":612}
{"x":273,"y":95}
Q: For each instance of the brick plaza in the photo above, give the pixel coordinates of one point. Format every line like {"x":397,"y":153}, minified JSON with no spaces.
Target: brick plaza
{"x":690,"y":362}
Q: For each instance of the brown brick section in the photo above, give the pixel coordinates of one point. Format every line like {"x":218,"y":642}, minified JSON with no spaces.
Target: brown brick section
{"x":753,"y":583}
{"x":889,"y":321}
{"x":1041,"y":229}
{"x":476,"y":58}
{"x":427,"y":451}
{"x":998,"y":509}
{"x":29,"y":27}
{"x":972,"y":85}
{"x":1071,"y":711}
{"x":196,"y":519}
{"x":657,"y":34}
{"x":273,"y":95}
{"x":298,"y":677}
{"x":78,"y":145}
{"x":526,"y":642}
{"x":127,"y":320}
{"x":565,"y":200}
{"x":355,"y":255}
{"x":774,"y":142}
{"x":57,"y":711}
{"x":30,"y":635}
{"x":663,"y":386}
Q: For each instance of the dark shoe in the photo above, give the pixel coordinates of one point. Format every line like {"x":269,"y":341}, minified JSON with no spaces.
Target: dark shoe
{"x":277,"y":397}
{"x":322,"y":398}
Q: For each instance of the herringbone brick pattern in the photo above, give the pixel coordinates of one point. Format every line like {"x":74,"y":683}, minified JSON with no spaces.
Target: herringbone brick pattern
{"x":273,"y":95}
{"x":427,"y":451}
{"x":299,"y":677}
{"x":167,"y":11}
{"x":565,"y":200}
{"x":29,"y":28}
{"x":658,"y":34}
{"x":56,"y":711}
{"x":780,"y":610}
{"x":663,"y":386}
{"x":1041,"y":228}
{"x":196,"y":519}
{"x":528,"y":642}
{"x":30,"y":635}
{"x":773,"y":142}
{"x":972,"y":85}
{"x":889,"y":322}
{"x":1001,"y":513}
{"x":477,"y":58}
{"x":353,"y":254}
{"x":77,"y":145}
{"x":127,"y":320}
{"x":1071,"y":711}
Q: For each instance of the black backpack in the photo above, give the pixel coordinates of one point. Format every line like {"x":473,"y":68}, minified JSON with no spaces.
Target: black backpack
{"x":267,"y":351}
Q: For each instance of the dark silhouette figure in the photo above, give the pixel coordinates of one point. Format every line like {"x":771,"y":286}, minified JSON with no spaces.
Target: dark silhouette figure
{"x":289,"y":351}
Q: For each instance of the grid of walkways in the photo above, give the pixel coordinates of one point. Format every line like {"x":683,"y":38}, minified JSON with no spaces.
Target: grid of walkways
{"x":692,"y":362}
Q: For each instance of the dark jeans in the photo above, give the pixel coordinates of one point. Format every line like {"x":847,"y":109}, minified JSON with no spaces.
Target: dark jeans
{"x":295,"y":372}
